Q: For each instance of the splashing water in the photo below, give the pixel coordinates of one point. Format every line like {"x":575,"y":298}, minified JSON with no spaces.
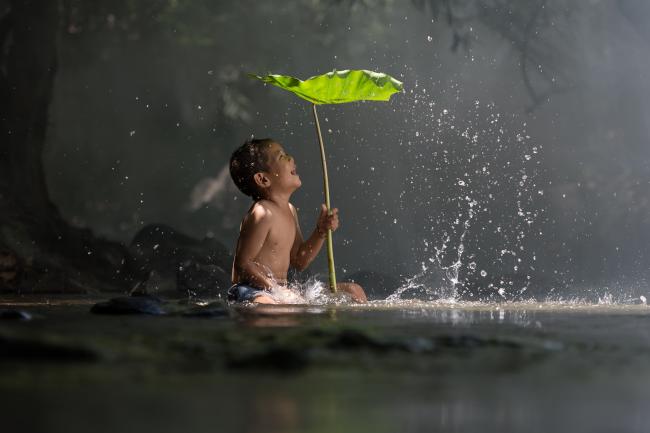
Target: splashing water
{"x":421,"y":281}
{"x":474,"y":185}
{"x":312,"y":292}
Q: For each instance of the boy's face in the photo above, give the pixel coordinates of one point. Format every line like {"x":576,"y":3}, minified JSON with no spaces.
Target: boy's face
{"x":281,"y":169}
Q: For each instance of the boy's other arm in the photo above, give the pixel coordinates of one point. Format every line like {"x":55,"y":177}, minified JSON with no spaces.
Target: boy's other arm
{"x":252,"y":235}
{"x":304,"y":252}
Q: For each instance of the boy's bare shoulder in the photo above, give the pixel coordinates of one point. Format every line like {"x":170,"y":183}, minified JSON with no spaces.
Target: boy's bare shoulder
{"x":261,"y":211}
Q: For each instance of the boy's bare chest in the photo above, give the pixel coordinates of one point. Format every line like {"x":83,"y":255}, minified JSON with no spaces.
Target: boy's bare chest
{"x":283,"y":231}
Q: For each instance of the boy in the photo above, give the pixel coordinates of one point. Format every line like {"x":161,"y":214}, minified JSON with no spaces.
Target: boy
{"x":270,"y":239}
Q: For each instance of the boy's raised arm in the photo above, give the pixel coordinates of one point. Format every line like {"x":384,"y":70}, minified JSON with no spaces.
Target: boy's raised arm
{"x":254,"y":229}
{"x":304,"y":252}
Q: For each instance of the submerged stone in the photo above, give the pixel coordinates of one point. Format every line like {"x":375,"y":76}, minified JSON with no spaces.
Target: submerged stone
{"x":463,"y":341}
{"x":270,"y":357}
{"x":354,"y":339}
{"x":214,"y":309}
{"x":303,"y":348}
{"x":130,"y":305}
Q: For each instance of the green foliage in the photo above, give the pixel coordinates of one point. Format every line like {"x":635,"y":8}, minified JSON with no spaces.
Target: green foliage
{"x":338,"y":87}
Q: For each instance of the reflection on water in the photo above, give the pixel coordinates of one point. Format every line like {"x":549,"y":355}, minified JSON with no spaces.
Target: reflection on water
{"x":269,"y":315}
{"x":272,"y":411}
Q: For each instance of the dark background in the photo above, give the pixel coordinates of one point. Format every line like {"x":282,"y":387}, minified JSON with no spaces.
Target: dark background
{"x":522,"y":134}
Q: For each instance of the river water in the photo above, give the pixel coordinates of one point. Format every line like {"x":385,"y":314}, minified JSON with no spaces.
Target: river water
{"x":384,"y":367}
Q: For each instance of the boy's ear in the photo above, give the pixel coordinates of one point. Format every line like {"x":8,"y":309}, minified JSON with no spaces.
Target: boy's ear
{"x":261,"y":180}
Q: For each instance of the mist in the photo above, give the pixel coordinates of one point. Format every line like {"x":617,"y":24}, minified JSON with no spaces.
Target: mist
{"x":511,"y":164}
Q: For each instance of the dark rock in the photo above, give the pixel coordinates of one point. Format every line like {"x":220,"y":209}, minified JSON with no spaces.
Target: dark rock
{"x":195,"y":277}
{"x":154,"y":298}
{"x":157,"y":282}
{"x":167,"y":259}
{"x":10,"y":270}
{"x":11,"y":314}
{"x":143,"y":304}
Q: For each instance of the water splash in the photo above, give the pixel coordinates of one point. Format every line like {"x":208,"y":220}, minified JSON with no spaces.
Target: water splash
{"x":312,"y":291}
{"x":474,"y":185}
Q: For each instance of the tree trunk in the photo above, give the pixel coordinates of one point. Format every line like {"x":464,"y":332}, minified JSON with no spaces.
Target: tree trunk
{"x":28,"y":64}
{"x":52,"y":255}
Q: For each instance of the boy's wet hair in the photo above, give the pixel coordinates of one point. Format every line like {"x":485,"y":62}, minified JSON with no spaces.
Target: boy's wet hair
{"x":246,"y":160}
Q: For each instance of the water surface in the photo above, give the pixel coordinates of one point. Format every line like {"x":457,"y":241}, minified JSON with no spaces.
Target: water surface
{"x":384,"y":367}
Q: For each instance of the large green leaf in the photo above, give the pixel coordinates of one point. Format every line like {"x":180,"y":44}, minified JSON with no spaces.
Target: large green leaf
{"x":338,"y":87}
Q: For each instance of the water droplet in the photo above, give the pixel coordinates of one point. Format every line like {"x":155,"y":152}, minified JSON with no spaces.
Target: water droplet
{"x":483,"y":274}
{"x":429,"y":38}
